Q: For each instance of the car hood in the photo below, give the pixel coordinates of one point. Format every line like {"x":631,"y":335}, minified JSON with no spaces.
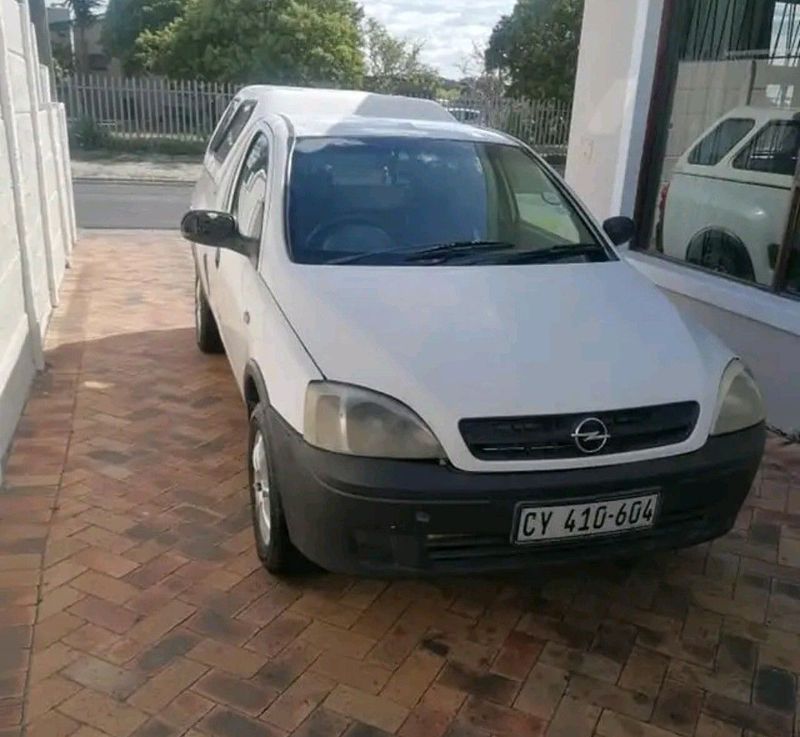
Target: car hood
{"x":494,"y":341}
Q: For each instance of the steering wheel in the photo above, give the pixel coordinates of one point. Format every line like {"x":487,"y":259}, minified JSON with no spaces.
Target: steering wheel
{"x":317,"y":239}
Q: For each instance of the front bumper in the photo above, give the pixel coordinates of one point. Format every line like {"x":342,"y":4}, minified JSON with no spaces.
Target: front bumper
{"x":369,"y":516}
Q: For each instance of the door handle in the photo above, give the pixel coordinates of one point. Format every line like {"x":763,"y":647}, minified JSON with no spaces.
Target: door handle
{"x":217,"y":257}
{"x":246,"y":318}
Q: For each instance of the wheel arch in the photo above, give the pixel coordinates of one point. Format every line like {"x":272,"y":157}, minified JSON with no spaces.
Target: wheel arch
{"x":254,"y":388}
{"x":727,"y":237}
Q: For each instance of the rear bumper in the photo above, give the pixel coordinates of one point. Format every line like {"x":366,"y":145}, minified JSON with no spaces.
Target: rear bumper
{"x":367,"y":516}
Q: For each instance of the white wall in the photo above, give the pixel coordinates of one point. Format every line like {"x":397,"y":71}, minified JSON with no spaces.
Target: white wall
{"x":37,"y":230}
{"x":618,"y":49}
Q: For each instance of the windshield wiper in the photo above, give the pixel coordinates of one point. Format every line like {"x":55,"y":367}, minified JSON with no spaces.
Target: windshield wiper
{"x":558,"y":253}
{"x":441,"y":251}
{"x":456,"y":248}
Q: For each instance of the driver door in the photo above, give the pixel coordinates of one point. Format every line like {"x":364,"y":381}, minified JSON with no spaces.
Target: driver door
{"x":248,"y":206}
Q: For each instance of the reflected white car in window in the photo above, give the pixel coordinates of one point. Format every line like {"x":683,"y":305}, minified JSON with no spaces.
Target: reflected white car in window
{"x":725,"y":207}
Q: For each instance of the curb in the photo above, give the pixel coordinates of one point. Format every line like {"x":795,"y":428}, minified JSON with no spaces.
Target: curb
{"x":139,"y":180}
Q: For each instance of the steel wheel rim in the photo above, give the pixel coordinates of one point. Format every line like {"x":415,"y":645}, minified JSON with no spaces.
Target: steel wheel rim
{"x":261,"y":487}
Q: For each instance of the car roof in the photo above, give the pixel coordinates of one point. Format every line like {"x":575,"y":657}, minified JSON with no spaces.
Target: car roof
{"x":304,"y":101}
{"x":354,"y":126}
{"x":766,"y":112}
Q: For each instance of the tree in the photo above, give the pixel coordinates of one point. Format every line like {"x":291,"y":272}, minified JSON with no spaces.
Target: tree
{"x":535,"y":49}
{"x":126,"y":20}
{"x":308,"y":42}
{"x":393,"y":65}
{"x":83,"y":12}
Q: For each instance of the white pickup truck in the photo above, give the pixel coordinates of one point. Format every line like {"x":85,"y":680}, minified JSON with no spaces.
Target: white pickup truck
{"x":446,"y":364}
{"x":726,"y":205}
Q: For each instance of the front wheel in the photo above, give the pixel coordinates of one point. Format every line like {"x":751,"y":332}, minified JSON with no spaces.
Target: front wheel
{"x":273,"y":545}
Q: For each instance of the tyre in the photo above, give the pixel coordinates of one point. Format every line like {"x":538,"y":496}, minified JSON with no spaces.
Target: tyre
{"x":721,"y":252}
{"x":205,"y":325}
{"x":273,"y":544}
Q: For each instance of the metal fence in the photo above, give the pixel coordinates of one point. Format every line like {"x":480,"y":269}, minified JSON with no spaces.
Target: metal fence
{"x":146,"y":107}
{"x":150,"y":107}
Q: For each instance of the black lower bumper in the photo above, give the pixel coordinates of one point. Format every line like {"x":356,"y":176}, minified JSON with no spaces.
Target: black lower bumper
{"x":367,"y":516}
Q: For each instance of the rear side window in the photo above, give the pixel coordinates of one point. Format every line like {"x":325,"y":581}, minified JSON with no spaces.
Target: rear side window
{"x":717,"y":144}
{"x":773,"y":150}
{"x":230,"y":129}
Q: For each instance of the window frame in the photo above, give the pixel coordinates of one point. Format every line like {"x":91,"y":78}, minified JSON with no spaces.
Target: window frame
{"x":258,"y":132}
{"x":675,"y":26}
{"x":713,"y":132}
{"x":584,"y":215}
{"x":751,"y":142}
{"x":225,"y":126}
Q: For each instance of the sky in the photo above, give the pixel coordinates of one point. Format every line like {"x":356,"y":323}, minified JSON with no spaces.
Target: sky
{"x":448,"y":27}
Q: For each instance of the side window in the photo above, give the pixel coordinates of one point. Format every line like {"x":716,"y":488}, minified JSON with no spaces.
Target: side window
{"x":230,"y":129}
{"x":539,"y":204}
{"x":717,"y":144}
{"x":773,"y":150}
{"x":250,"y":195}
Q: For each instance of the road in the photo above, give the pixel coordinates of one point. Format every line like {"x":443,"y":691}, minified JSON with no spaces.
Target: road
{"x":100,"y":204}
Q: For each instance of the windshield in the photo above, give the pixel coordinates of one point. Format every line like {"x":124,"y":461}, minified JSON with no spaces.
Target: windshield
{"x":384,"y":200}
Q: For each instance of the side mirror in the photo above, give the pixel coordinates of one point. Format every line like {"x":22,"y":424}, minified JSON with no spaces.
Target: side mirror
{"x":619,"y":229}
{"x":216,"y":229}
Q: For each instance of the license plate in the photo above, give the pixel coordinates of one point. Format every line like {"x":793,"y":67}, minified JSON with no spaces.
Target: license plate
{"x":583,"y":520}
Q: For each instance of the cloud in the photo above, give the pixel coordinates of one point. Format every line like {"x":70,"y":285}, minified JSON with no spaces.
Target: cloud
{"x":448,"y":27}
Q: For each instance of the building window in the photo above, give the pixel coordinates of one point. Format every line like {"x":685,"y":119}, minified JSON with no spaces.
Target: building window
{"x":718,"y":188}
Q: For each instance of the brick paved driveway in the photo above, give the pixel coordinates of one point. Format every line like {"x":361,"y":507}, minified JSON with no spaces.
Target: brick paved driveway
{"x":131,"y":601}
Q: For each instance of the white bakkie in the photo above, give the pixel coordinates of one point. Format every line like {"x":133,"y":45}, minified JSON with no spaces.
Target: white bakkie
{"x":446,"y":365}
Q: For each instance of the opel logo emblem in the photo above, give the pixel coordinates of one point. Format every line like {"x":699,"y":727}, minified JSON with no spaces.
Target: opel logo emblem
{"x":591,"y":435}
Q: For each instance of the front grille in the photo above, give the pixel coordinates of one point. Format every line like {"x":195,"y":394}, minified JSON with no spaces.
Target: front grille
{"x":550,"y":436}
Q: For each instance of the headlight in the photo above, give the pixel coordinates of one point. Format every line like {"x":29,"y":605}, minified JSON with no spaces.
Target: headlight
{"x":739,"y":405}
{"x":347,"y":419}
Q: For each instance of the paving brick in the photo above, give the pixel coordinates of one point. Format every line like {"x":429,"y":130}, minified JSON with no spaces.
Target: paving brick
{"x":223,"y":722}
{"x":53,"y":724}
{"x":577,"y":661}
{"x":610,"y":696}
{"x":104,"y":614}
{"x":250,"y":697}
{"x":293,"y":706}
{"x":232,"y":659}
{"x":322,"y":723}
{"x":363,"y":707}
{"x":166,"y":685}
{"x":617,"y":725}
{"x":413,"y":677}
{"x":103,"y":713}
{"x":352,"y":672}
{"x":284,"y":669}
{"x":542,"y":691}
{"x":55,"y":627}
{"x":749,"y":716}
{"x":328,"y":637}
{"x":91,"y":639}
{"x":501,"y":720}
{"x":105,"y":562}
{"x":153,"y":627}
{"x":678,"y":708}
{"x":185,"y":710}
{"x":221,"y":627}
{"x":573,"y":718}
{"x":175,"y":644}
{"x":102,"y":676}
{"x":279,"y":633}
{"x":488,"y":686}
{"x":432,"y":716}
{"x":517,"y":656}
